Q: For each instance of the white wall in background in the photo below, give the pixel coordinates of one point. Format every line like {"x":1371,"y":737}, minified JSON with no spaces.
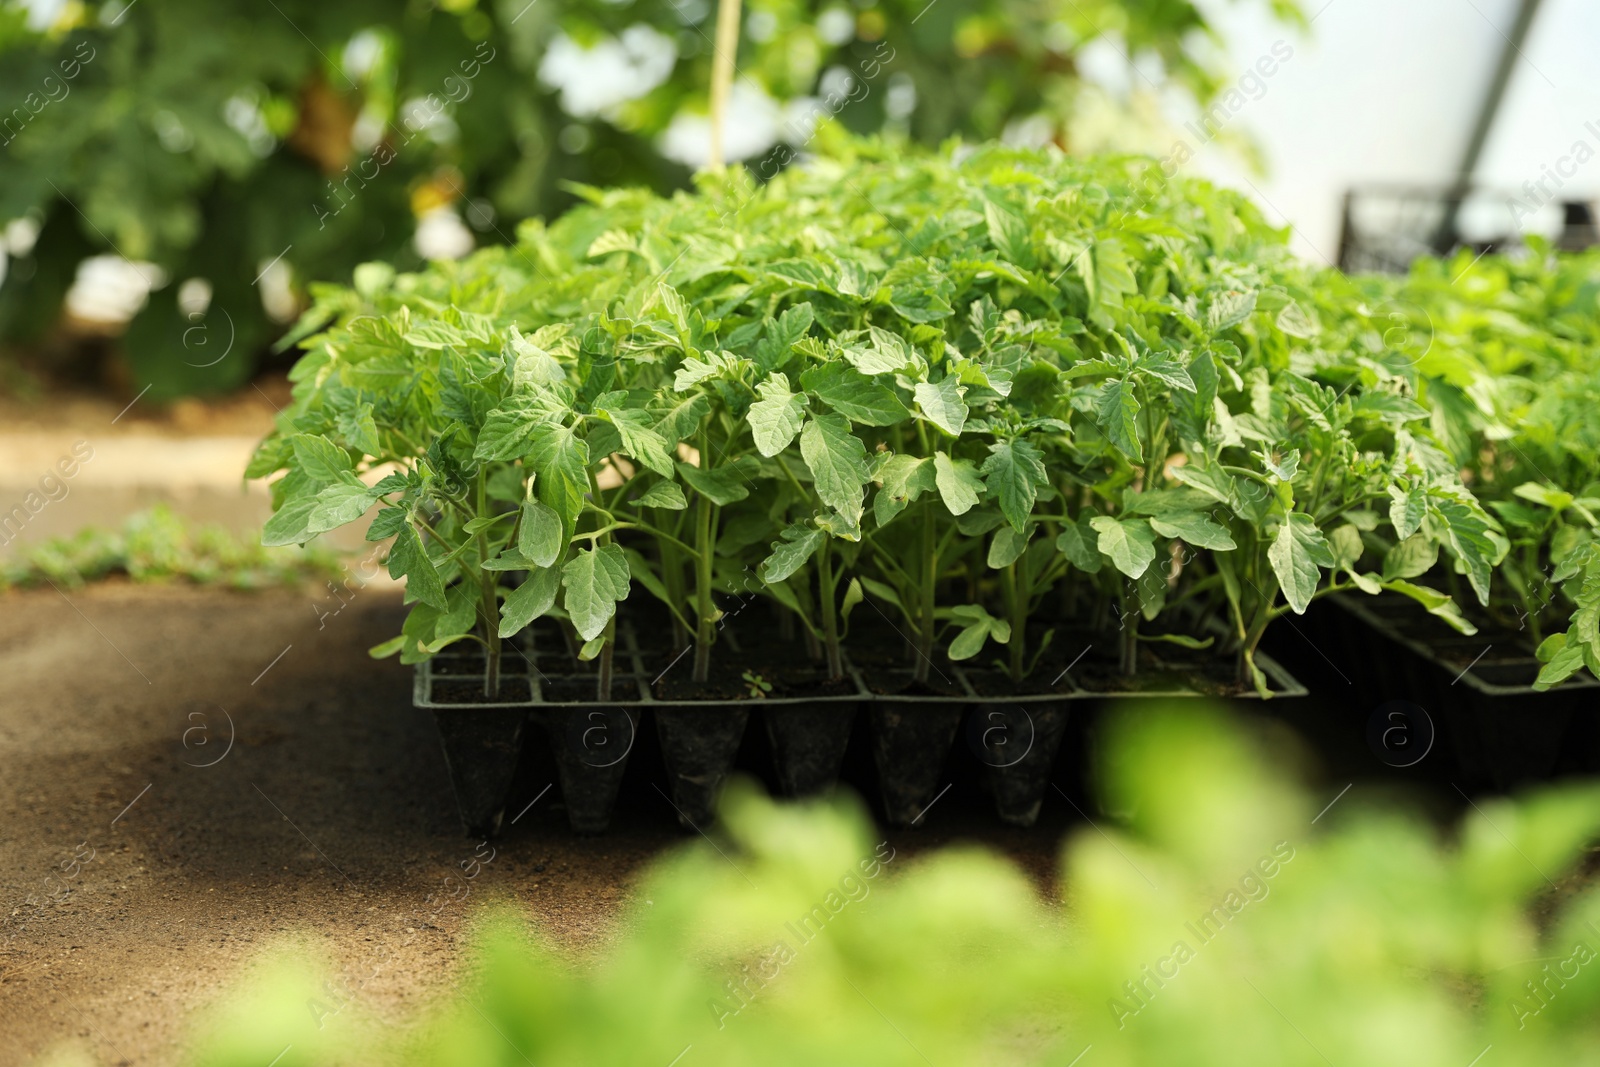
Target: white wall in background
{"x":1387,"y":90}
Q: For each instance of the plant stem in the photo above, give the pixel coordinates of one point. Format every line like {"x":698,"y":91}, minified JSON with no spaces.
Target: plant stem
{"x":705,"y":607}
{"x":830,"y":618}
{"x":723,"y":55}
{"x":489,"y":607}
{"x":1017,"y":601}
{"x":1128,"y":658}
{"x":603,"y":667}
{"x":928,"y":577}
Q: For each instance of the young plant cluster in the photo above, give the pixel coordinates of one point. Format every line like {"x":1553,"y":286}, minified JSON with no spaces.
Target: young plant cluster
{"x":1505,"y":354}
{"x":996,"y":394}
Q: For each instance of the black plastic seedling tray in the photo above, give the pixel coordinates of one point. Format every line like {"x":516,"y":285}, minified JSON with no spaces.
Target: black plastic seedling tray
{"x":1016,"y":738}
{"x":1478,"y":690}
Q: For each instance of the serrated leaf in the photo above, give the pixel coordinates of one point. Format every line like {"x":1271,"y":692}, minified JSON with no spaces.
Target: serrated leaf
{"x":800,"y":542}
{"x":561,"y":460}
{"x":1195,"y":528}
{"x":291,"y":523}
{"x":1128,"y":543}
{"x":1407,"y":509}
{"x":531,"y":600}
{"x":319,"y":458}
{"x":943,"y":404}
{"x":1013,"y":473}
{"x":838,"y":463}
{"x":1118,"y":412}
{"x":539,"y":533}
{"x":1080,"y":543}
{"x":386,"y":523}
{"x":1228,"y":309}
{"x":1438,"y":604}
{"x":338,"y":504}
{"x":1296,"y":555}
{"x":720,"y":485}
{"x":1007,"y":546}
{"x":1472,"y":538}
{"x":902,"y":479}
{"x":960,"y":485}
{"x":408,"y":559}
{"x":665,"y":495}
{"x":854,"y":395}
{"x":595,"y":581}
{"x":777,"y":416}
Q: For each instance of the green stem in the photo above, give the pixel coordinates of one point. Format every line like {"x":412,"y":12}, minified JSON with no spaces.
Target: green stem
{"x":705,"y":607}
{"x":830,"y":614}
{"x":927,"y":579}
{"x":490,"y":606}
{"x":1017,"y":601}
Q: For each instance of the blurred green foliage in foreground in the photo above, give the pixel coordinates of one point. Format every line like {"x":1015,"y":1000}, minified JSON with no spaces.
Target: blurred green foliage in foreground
{"x":155,"y":545}
{"x":1220,"y":926}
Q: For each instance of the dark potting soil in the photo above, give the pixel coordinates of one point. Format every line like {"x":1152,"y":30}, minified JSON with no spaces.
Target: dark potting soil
{"x":727,"y":680}
{"x":903,"y":684}
{"x":513,"y":690}
{"x":996,"y":683}
{"x":566,"y":689}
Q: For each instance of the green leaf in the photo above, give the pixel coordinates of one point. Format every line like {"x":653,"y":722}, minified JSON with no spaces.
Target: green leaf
{"x":408,"y":559}
{"x":854,"y":395}
{"x":528,"y":601}
{"x":800,"y":542}
{"x":595,"y":580}
{"x":1555,"y":499}
{"x":720,"y":485}
{"x":1471,"y":536}
{"x":1181,"y":640}
{"x":387,"y":648}
{"x":838,"y":463}
{"x":1437,"y":603}
{"x":1119,"y":417}
{"x":561,"y":460}
{"x":319,"y":458}
{"x":665,"y":495}
{"x":943,"y":404}
{"x":1195,"y":528}
{"x":508,"y":430}
{"x":291,"y":523}
{"x":1080,"y":543}
{"x":1563,"y":665}
{"x":1284,"y":468}
{"x":1008,"y":545}
{"x":1010,"y":236}
{"x":539,"y":534}
{"x":1128,"y":543}
{"x":777,"y":416}
{"x":1216,"y":483}
{"x":1228,"y":309}
{"x":960,"y":486}
{"x":338,"y":504}
{"x":386,"y":523}
{"x":977,"y":627}
{"x":1411,"y":558}
{"x":1296,"y":554}
{"x":1407,"y":509}
{"x":1013,"y":473}
{"x":903,"y":478}
{"x":639,"y":440}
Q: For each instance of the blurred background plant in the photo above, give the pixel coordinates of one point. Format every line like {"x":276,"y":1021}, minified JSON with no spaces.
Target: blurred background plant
{"x":1218,"y":926}
{"x":192,"y":165}
{"x":155,"y":545}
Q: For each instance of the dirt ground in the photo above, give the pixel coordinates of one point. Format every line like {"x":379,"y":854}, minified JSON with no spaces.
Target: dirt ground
{"x":136,"y":880}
